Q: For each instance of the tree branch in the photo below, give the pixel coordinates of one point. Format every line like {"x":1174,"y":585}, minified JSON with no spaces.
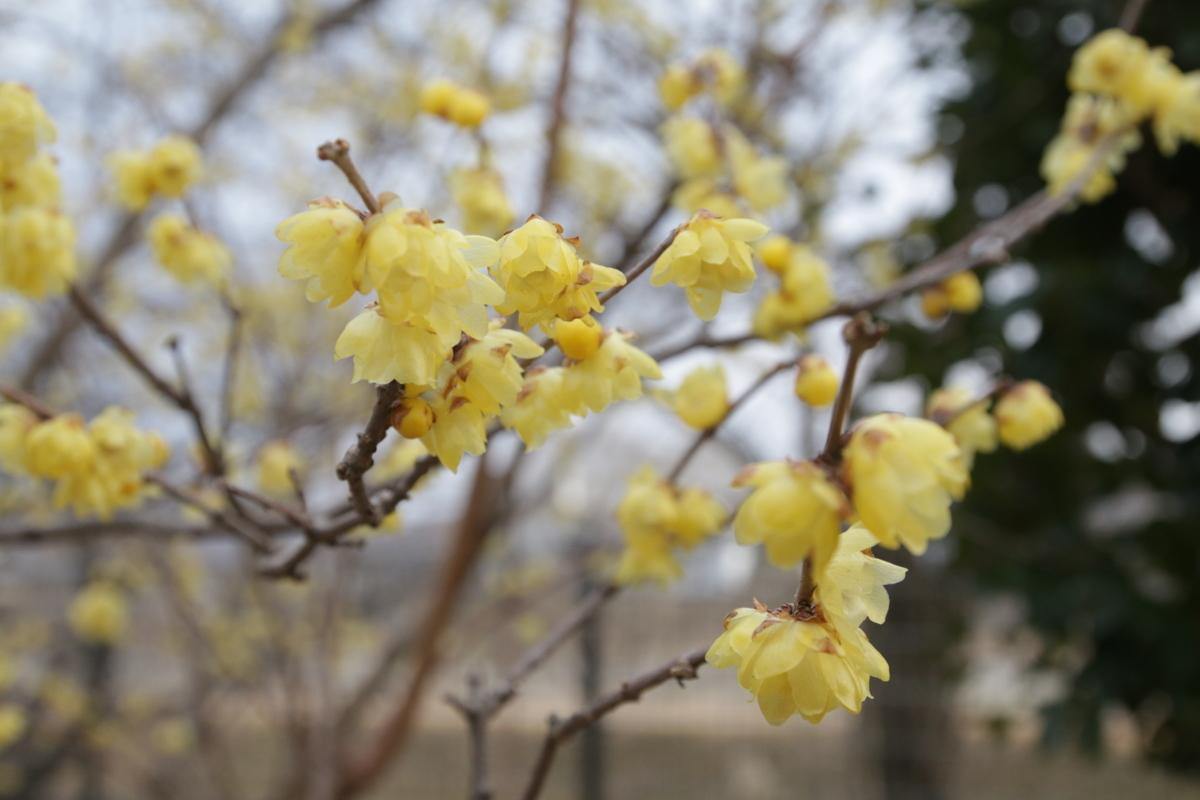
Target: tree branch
{"x":558,"y":107}
{"x":338,"y":152}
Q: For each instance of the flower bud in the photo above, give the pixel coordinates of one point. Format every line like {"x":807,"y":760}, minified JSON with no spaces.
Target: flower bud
{"x":775,"y":253}
{"x":437,"y":96}
{"x":676,"y":86}
{"x":817,"y":383}
{"x":578,"y":338}
{"x":963,"y":292}
{"x":702,"y":400}
{"x":1026,"y":415}
{"x":934,"y":302}
{"x":468,"y":107}
{"x":412,"y":417}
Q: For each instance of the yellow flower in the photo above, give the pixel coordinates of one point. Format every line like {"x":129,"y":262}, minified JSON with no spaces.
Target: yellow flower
{"x":459,"y":427}
{"x":721,"y":74}
{"x":1115,"y":64}
{"x":903,"y":474}
{"x":12,"y":723}
{"x":99,"y":613}
{"x":794,"y":510}
{"x":692,"y":147}
{"x":762,"y":180}
{"x":614,"y":372}
{"x":578,"y":338}
{"x":1027,"y":415}
{"x":798,"y":661}
{"x":1088,"y":122}
{"x":656,"y":518}
{"x":486,"y":371}
{"x":967,"y":420}
{"x":703,"y":194}
{"x":15,"y":423}
{"x":543,"y":405}
{"x":852,"y":585}
{"x":37,"y":258}
{"x":34,"y":183}
{"x":437,"y":95}
{"x":172,"y":165}
{"x":187,"y":253}
{"x":13,"y":320}
{"x":804,"y":295}
{"x":399,"y":460}
{"x":775,"y":252}
{"x":460,"y":105}
{"x":479,"y":194}
{"x":24,"y":124}
{"x":276,"y":461}
{"x":1178,"y":118}
{"x":816,"y":382}
{"x":677,"y":85}
{"x":385,"y":351}
{"x":707,"y":257}
{"x":326,"y":250}
{"x":58,"y":447}
{"x":702,"y":399}
{"x":543,"y":277}
{"x":114,"y":478}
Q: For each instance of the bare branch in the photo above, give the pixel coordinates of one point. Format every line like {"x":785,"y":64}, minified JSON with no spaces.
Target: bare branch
{"x":558,"y":105}
{"x":561,"y":731}
{"x":339,"y":153}
{"x":861,"y":333}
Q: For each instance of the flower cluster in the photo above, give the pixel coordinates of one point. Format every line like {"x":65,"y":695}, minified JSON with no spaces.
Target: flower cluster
{"x":659,"y":519}
{"x":167,"y":169}
{"x":708,"y":257}
{"x":811,"y":657}
{"x":97,"y":468}
{"x":804,"y":292}
{"x":37,"y":243}
{"x":1119,"y":82}
{"x":188,"y":254}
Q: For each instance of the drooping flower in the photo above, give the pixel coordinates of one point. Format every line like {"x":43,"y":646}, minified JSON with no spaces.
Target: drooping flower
{"x":543,"y":405}
{"x":795,"y":511}
{"x":798,"y":661}
{"x":578,"y":338}
{"x":544,"y":279}
{"x":187,"y":253}
{"x":614,"y":372}
{"x":804,"y":293}
{"x":903,"y":473}
{"x":325,"y":250}
{"x":34,"y":183}
{"x":168,"y":168}
{"x":966,"y":418}
{"x":709,"y":256}
{"x":960,"y":292}
{"x":37,"y":252}
{"x":385,"y":351}
{"x":692,"y":147}
{"x":852,"y":585}
{"x":24,"y":124}
{"x":1027,"y":415}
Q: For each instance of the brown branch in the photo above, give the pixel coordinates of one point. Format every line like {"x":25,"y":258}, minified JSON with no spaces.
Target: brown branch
{"x":480,"y":787}
{"x":299,"y":519}
{"x":1132,"y":14}
{"x":252,"y":535}
{"x":710,"y":432}
{"x":808,"y":584}
{"x":635,"y":241}
{"x":339,"y":153}
{"x":213,"y":456}
{"x":641,"y":266}
{"x":394,"y":734}
{"x":83,"y":531}
{"x":43,"y":411}
{"x":360,"y":457}
{"x":229,"y":371}
{"x":561,"y":731}
{"x":861,"y":333}
{"x":558,"y":105}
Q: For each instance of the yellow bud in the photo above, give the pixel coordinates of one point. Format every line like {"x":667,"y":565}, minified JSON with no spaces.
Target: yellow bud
{"x":12,"y":724}
{"x":934,"y":302}
{"x":99,"y":614}
{"x":412,"y":418}
{"x":963,"y":292}
{"x":276,"y":462}
{"x":59,"y":447}
{"x":676,"y":86}
{"x":578,"y":338}
{"x":469,"y":107}
{"x":1026,"y":415}
{"x":775,"y":253}
{"x":437,"y":96}
{"x":702,"y":399}
{"x":817,"y":383}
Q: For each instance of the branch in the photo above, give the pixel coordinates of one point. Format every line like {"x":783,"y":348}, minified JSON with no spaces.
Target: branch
{"x":477,"y":721}
{"x":861,"y":333}
{"x":1132,"y":14}
{"x":641,"y":266}
{"x":43,"y":411}
{"x":558,"y":107}
{"x":213,"y":455}
{"x":229,"y":370}
{"x":339,"y":153}
{"x":83,"y":531}
{"x":251,"y":535}
{"x":360,"y":457}
{"x":561,"y":731}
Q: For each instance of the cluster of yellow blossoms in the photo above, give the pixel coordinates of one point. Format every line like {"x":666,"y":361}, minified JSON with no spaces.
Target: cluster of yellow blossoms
{"x":1119,"y":82}
{"x":187,"y":253}
{"x":166,"y":169}
{"x":458,"y":104}
{"x":804,"y":292}
{"x":97,"y":468}
{"x":37,"y":242}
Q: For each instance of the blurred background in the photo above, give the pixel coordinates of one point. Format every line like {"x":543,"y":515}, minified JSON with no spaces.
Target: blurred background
{"x":1049,"y":647}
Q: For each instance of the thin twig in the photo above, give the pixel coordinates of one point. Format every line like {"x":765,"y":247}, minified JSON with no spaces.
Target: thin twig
{"x":1132,"y":14}
{"x":251,"y":535}
{"x":861,"y":333}
{"x":360,"y":457}
{"x":558,"y":106}
{"x":641,"y":266}
{"x":680,"y":670}
{"x":43,"y":411}
{"x":338,"y":152}
{"x":213,"y":456}
{"x":229,"y":371}
{"x":84,"y":531}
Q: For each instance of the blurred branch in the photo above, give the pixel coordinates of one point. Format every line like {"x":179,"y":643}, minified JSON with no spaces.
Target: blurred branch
{"x":635,"y":241}
{"x":360,"y":457}
{"x":1132,"y":14}
{"x":394,"y":734}
{"x":213,"y":455}
{"x":78,"y":532}
{"x":558,"y":107}
{"x":561,"y":731}
{"x":229,"y":371}
{"x":251,"y":535}
{"x":641,"y":266}
{"x":43,"y":411}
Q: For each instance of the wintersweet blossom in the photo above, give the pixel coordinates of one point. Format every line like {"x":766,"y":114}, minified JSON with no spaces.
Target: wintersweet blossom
{"x":1026,"y":415}
{"x":966,"y":418}
{"x":702,"y":400}
{"x":816,"y":382}
{"x":709,"y":256}
{"x":903,"y":473}
{"x":795,"y":511}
